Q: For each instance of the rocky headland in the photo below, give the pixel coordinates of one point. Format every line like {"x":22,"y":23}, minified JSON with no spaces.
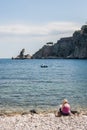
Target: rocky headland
{"x":74,"y":47}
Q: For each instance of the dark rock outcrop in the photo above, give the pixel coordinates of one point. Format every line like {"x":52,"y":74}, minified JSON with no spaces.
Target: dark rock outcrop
{"x":80,"y":41}
{"x":64,"y":47}
{"x":22,"y":56}
{"x":69,"y":47}
{"x":45,"y":52}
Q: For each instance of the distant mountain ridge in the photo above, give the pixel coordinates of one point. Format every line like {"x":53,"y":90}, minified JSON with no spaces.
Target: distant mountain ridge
{"x":70,"y":47}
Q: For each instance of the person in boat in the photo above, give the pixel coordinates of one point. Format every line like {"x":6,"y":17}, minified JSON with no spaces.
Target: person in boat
{"x":64,"y":109}
{"x":44,"y":66}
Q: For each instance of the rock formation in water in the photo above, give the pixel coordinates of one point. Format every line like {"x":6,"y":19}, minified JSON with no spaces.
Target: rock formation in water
{"x":22,"y":56}
{"x":69,"y":47}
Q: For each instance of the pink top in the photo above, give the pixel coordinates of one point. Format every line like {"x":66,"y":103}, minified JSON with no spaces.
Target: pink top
{"x":66,"y":108}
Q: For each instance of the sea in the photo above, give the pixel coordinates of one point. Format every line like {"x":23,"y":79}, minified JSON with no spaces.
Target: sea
{"x":25,"y":85}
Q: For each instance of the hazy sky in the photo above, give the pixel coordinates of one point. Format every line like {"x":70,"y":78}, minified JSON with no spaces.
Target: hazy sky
{"x":30,"y":24}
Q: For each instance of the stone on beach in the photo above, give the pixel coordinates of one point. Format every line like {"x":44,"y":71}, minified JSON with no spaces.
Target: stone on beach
{"x":43,"y":122}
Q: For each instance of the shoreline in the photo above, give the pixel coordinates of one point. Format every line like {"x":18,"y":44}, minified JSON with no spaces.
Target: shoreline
{"x":36,"y":111}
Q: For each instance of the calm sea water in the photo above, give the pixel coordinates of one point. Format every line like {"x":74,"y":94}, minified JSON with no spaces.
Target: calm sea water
{"x":24,"y":85}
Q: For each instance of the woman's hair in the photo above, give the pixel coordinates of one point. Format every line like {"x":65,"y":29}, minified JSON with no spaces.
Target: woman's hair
{"x":65,"y":101}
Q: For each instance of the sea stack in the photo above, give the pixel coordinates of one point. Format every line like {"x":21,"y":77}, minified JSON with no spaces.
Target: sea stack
{"x":22,"y":56}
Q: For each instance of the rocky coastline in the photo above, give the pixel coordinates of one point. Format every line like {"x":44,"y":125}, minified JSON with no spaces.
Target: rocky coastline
{"x":74,"y":47}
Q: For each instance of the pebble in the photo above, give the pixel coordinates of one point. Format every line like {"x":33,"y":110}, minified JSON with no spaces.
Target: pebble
{"x":43,"y":122}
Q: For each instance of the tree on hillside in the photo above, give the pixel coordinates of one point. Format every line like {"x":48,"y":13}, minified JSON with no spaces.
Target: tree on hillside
{"x":49,"y":43}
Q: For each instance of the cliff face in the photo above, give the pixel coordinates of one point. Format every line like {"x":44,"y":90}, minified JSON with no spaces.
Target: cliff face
{"x":64,"y":47}
{"x":45,"y":52}
{"x":80,"y":41}
{"x":70,"y":47}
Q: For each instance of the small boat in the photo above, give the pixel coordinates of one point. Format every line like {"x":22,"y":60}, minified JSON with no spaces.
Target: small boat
{"x":43,"y":66}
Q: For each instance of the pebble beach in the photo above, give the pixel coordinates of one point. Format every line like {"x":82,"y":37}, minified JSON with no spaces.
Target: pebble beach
{"x":43,"y":121}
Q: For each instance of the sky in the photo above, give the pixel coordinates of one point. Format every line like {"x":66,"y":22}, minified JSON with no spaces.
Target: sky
{"x":30,"y":24}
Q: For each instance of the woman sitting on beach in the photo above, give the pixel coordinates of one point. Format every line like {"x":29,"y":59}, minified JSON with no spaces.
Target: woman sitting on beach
{"x":64,"y":108}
